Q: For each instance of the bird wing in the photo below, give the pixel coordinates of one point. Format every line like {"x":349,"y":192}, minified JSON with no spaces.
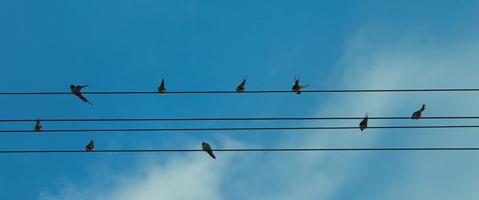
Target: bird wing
{"x":416,"y":114}
{"x":363,"y":124}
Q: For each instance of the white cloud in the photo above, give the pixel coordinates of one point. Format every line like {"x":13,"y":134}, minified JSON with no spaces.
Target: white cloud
{"x":186,"y":177}
{"x":405,"y":62}
{"x":395,"y":62}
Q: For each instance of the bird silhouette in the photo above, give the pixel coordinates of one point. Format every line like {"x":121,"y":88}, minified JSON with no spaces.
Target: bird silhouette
{"x":416,"y":115}
{"x":364,"y":123}
{"x":76,"y":90}
{"x":90,"y":146}
{"x":38,"y":126}
{"x":206,"y":147}
{"x":241,"y":86}
{"x":297,"y":87}
{"x":162,"y":88}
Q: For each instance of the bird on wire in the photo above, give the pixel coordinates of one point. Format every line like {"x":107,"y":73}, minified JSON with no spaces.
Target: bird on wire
{"x":90,"y":146}
{"x":364,"y":123}
{"x":242,"y":86}
{"x":162,"y":87}
{"x":207,"y":148}
{"x":76,"y":90}
{"x":38,"y":126}
{"x":416,"y":115}
{"x":297,"y":87}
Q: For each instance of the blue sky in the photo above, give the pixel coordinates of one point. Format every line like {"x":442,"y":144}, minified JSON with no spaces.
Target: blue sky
{"x":211,"y":45}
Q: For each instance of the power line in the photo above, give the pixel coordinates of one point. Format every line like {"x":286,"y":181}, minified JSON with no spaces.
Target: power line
{"x":252,"y":91}
{"x":240,"y":129}
{"x":229,"y":119}
{"x":243,"y":150}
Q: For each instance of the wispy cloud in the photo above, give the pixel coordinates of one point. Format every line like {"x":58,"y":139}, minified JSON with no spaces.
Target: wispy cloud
{"x":370,"y":60}
{"x":186,"y":177}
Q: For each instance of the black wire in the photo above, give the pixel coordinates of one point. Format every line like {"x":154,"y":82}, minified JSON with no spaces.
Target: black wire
{"x":241,"y":129}
{"x":245,"y":150}
{"x":230,"y":119}
{"x":252,"y":91}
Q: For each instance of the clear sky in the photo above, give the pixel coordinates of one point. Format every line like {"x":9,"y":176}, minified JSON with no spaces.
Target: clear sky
{"x":212,"y":45}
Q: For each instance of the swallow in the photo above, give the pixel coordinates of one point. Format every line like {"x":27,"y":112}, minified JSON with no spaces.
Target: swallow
{"x":297,"y":87}
{"x":162,"y":88}
{"x":38,"y":126}
{"x":90,"y":146}
{"x":207,"y":148}
{"x":364,"y":123}
{"x":241,"y":86}
{"x":416,"y":115}
{"x":76,"y":90}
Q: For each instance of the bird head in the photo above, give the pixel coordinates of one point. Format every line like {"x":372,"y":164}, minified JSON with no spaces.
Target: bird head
{"x":72,"y":86}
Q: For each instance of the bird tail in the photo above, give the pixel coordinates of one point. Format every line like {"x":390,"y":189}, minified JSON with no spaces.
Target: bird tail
{"x":305,"y":86}
{"x":423,"y":108}
{"x":212,"y":155}
{"x":84,"y":99}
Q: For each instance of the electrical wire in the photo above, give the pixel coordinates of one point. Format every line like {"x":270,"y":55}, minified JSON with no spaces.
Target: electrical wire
{"x":252,"y":91}
{"x":239,"y":129}
{"x":244,"y":150}
{"x":229,"y":119}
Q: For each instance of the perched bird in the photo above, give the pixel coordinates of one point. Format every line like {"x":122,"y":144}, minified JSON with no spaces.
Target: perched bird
{"x":76,"y":90}
{"x":416,"y":115}
{"x":364,"y":123}
{"x":297,"y":87}
{"x":162,"y":88}
{"x":241,"y":86}
{"x":90,"y":146}
{"x":38,"y":126}
{"x":207,"y":148}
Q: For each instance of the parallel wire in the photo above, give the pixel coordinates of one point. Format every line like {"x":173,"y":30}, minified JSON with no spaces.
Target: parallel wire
{"x":252,"y":91}
{"x":244,"y":150}
{"x":230,"y":119}
{"x":240,"y":129}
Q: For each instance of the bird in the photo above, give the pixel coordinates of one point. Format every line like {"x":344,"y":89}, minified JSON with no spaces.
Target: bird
{"x":162,"y":88}
{"x":297,"y":87}
{"x":241,"y":86}
{"x":364,"y":123}
{"x":416,"y":115}
{"x":38,"y":126}
{"x":207,"y":148}
{"x":90,"y":146}
{"x":76,"y":90}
